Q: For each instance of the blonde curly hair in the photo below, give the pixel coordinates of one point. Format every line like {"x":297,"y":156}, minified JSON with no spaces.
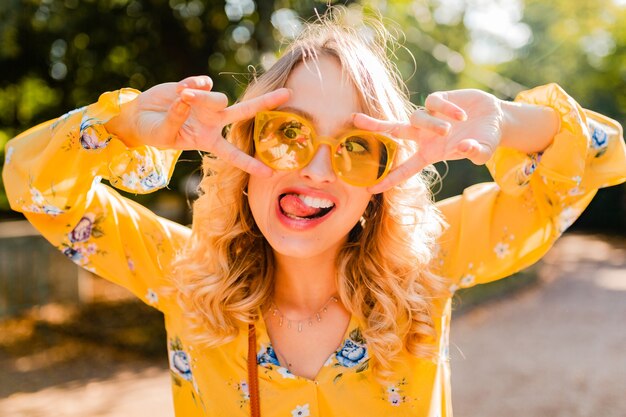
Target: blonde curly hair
{"x":225,"y":274}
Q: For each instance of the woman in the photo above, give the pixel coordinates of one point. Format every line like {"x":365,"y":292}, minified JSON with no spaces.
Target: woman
{"x":315,"y":232}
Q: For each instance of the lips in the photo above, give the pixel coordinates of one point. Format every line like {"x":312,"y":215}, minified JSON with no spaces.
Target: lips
{"x":304,"y":208}
{"x":301,"y":206}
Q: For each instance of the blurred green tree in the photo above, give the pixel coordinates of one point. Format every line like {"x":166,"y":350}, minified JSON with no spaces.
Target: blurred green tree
{"x":56,"y":55}
{"x":581,"y":46}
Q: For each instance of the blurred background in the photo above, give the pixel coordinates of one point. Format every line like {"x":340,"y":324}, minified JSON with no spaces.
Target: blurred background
{"x":57,"y":55}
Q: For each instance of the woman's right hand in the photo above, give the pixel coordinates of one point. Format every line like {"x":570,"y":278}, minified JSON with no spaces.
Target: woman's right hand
{"x":161,"y":117}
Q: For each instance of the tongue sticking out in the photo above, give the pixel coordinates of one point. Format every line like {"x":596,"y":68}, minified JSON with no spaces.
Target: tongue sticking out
{"x":293,"y":205}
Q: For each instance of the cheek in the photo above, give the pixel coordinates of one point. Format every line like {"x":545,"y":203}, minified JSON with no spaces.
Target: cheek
{"x":360,"y":201}
{"x":261,"y":201}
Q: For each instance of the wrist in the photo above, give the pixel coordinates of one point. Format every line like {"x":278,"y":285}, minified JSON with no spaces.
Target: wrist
{"x":527,"y":127}
{"x":123,"y":124}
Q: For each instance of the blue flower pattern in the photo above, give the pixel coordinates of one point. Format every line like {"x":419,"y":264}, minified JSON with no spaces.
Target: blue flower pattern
{"x":73,"y":254}
{"x":525,"y":173}
{"x":267,"y":356}
{"x":179,"y":363}
{"x":599,"y":140}
{"x":352,"y":353}
{"x":153,"y":180}
{"x":90,"y":138}
{"x":179,"y":360}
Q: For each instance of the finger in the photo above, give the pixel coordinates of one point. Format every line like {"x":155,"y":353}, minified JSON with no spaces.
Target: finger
{"x":249,"y":108}
{"x":229,"y":153}
{"x":397,"y":129}
{"x":363,"y":121}
{"x":438,"y":102}
{"x":208,"y":100}
{"x":199,"y":82}
{"x":422,"y":120}
{"x":475,"y":151}
{"x":176,"y":116}
{"x":406,"y":170}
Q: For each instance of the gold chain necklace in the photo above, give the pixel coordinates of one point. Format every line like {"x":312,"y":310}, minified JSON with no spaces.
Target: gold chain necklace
{"x":316,"y":316}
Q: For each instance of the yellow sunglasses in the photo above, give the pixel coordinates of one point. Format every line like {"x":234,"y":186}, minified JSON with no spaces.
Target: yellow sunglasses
{"x":286,"y":141}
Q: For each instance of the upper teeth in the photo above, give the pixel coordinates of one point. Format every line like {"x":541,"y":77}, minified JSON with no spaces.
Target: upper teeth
{"x":315,"y":202}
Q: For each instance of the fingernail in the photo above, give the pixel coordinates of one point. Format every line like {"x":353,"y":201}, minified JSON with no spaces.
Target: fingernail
{"x":445,"y":127}
{"x":462,"y":116}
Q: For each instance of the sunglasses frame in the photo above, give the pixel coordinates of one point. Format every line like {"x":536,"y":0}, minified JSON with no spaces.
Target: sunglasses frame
{"x":263,"y":117}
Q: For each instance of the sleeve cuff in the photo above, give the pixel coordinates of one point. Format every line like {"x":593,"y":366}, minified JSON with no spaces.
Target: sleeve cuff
{"x":141,"y":169}
{"x":563,"y":161}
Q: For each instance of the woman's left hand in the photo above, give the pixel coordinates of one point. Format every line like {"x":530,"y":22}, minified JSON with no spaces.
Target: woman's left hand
{"x":453,"y":125}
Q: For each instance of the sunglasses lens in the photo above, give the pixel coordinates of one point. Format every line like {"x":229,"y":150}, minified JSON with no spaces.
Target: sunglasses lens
{"x":284,"y":143}
{"x":361,"y":160}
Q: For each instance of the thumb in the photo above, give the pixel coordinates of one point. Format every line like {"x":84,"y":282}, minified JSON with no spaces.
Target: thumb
{"x":475,"y":151}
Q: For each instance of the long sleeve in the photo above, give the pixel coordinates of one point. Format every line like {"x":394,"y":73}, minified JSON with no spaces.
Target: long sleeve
{"x":496,"y":229}
{"x":52,"y":174}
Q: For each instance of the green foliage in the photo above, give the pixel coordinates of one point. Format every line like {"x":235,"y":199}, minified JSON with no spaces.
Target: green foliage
{"x":581,"y":46}
{"x":56,"y":55}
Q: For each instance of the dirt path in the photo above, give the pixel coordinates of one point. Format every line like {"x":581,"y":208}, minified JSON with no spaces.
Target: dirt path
{"x":129,"y":391}
{"x":555,"y":350}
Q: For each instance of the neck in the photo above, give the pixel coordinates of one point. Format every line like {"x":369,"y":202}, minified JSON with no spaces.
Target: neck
{"x":303,"y":285}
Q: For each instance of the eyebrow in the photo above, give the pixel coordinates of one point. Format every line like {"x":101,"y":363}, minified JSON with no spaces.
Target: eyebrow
{"x":310,"y":117}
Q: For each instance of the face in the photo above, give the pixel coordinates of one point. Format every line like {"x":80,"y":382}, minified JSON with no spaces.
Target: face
{"x":309,"y":212}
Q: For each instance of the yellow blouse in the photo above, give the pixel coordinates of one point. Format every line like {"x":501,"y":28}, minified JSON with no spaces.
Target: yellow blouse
{"x":52,"y":174}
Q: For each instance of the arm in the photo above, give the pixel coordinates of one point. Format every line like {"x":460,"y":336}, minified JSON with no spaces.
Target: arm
{"x":52,"y":175}
{"x":499,"y":228}
{"x":527,"y":127}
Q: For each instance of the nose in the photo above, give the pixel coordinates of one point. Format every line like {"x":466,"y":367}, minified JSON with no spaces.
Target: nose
{"x":320,"y":168}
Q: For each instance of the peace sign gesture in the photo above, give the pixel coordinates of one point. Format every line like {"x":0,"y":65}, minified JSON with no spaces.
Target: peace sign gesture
{"x":187,"y":115}
{"x":453,"y":125}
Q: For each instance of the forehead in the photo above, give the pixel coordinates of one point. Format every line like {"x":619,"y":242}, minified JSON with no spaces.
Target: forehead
{"x":322,"y":90}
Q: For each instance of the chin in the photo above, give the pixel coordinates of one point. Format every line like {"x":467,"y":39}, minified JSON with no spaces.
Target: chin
{"x":305,"y":248}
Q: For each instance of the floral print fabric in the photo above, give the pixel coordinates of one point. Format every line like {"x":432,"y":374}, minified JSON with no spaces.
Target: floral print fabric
{"x":53,"y":174}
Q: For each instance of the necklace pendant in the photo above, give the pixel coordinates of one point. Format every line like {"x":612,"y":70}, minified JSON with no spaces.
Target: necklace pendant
{"x":318,"y":315}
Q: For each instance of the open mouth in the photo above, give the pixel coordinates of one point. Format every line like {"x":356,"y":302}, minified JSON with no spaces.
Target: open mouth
{"x":304,"y":207}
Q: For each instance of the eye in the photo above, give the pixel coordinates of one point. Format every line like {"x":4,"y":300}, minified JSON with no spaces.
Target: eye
{"x":291,"y":130}
{"x":356,"y":145}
